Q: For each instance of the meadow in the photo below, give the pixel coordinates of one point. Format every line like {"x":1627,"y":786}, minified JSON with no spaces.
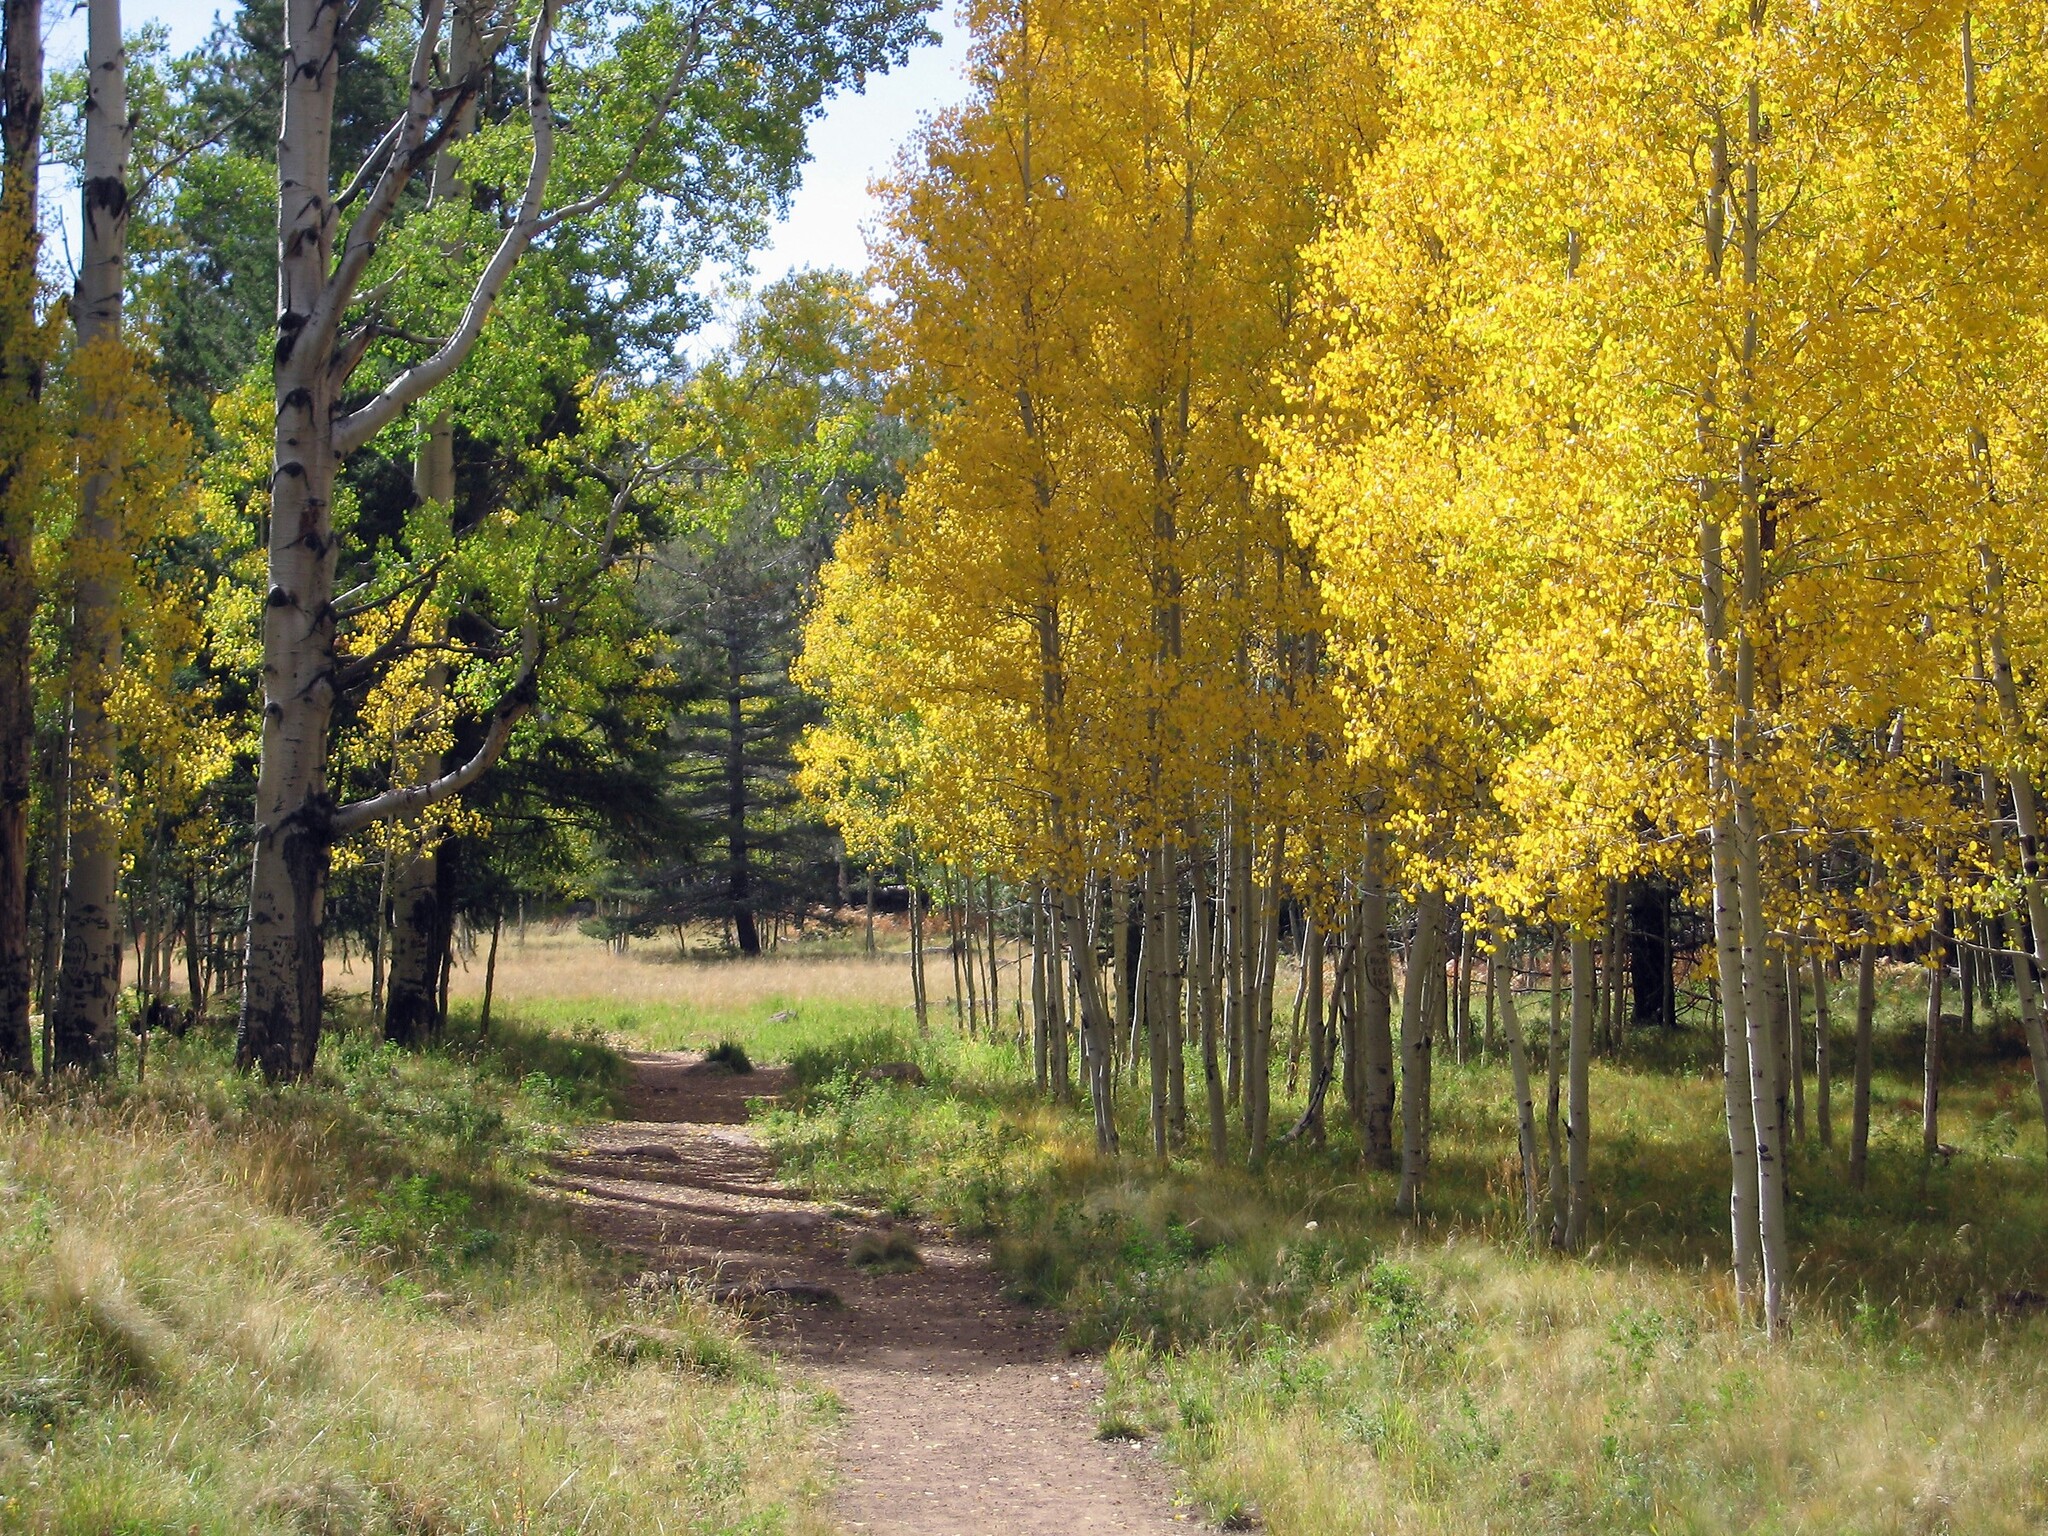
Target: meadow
{"x":342,"y":1307}
{"x":1315,"y":1365}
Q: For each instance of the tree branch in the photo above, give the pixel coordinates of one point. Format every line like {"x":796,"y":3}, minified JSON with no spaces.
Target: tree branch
{"x":399,"y":165}
{"x":516,"y":704}
{"x":363,"y":666}
{"x":359,"y":426}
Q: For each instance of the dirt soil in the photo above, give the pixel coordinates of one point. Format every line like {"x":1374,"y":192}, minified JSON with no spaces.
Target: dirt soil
{"x":964,"y":1417}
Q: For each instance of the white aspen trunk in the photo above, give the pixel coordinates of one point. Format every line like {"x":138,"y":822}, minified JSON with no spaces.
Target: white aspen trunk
{"x":963,"y":953}
{"x":1264,"y":898}
{"x":1745,"y":746}
{"x":1352,"y":1062}
{"x":1488,"y":1031}
{"x":1096,"y":1024}
{"x":1823,"y":1055}
{"x":1059,"y":1014}
{"x":1041,"y":1060}
{"x":2022,"y":971}
{"x":1743,"y":1210}
{"x":919,"y":1000}
{"x":1171,"y":968}
{"x":1376,"y":1009}
{"x":1578,"y":1128}
{"x":1314,"y":945}
{"x":279,"y":1027}
{"x":992,"y":992}
{"x":1930,"y":1062}
{"x":1461,"y":1011}
{"x":1795,"y":1037}
{"x":1553,"y":1061}
{"x":1423,"y":960}
{"x":2027,"y":816}
{"x":1152,"y":963}
{"x":1202,"y":971}
{"x":1236,"y":915}
{"x":483,"y":1024}
{"x":296,"y":822}
{"x":89,"y":982}
{"x":1859,"y":1104}
{"x":1525,"y":1108}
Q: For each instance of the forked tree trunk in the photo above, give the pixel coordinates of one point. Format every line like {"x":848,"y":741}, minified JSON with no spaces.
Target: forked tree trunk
{"x":21,"y":428}
{"x":1096,"y":1024}
{"x":89,"y":985}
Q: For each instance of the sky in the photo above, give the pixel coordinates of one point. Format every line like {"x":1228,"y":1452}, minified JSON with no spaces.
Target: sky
{"x":853,"y":142}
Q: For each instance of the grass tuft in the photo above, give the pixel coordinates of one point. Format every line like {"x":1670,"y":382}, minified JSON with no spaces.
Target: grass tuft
{"x":731,"y":1055}
{"x":884,"y":1253}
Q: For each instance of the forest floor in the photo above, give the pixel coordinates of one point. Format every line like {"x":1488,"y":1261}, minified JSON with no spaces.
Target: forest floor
{"x":962,"y":1414}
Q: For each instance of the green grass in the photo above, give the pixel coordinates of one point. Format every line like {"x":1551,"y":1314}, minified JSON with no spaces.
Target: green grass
{"x":1309,"y":1358}
{"x":343,"y":1308}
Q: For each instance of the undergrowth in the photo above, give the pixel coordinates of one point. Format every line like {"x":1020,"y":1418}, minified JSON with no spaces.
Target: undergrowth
{"x":341,"y":1308}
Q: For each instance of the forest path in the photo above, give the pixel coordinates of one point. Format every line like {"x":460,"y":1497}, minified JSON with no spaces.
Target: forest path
{"x":963,"y":1416}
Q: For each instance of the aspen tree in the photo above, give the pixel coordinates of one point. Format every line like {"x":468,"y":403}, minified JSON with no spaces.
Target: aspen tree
{"x":90,"y":984}
{"x":324,"y":335}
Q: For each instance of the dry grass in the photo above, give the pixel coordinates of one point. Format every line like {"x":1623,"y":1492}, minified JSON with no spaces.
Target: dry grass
{"x":230,"y":1311}
{"x":553,"y":968}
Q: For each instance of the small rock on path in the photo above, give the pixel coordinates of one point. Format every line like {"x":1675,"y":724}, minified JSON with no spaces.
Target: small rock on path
{"x":964,"y":1416}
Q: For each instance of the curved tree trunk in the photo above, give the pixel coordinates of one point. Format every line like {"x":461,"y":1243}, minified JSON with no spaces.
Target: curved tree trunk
{"x":21,"y":385}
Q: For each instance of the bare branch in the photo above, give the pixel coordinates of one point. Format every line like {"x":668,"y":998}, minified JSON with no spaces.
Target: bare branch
{"x":359,"y":426}
{"x":516,"y":704}
{"x":371,"y":162}
{"x":364,"y":667}
{"x":399,"y":167}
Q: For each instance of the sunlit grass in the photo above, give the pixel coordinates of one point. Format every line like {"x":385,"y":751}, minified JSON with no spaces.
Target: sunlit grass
{"x":339,"y":1308}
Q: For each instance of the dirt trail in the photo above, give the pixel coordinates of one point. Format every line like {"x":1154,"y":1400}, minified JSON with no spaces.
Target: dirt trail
{"x":963,"y":1418}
